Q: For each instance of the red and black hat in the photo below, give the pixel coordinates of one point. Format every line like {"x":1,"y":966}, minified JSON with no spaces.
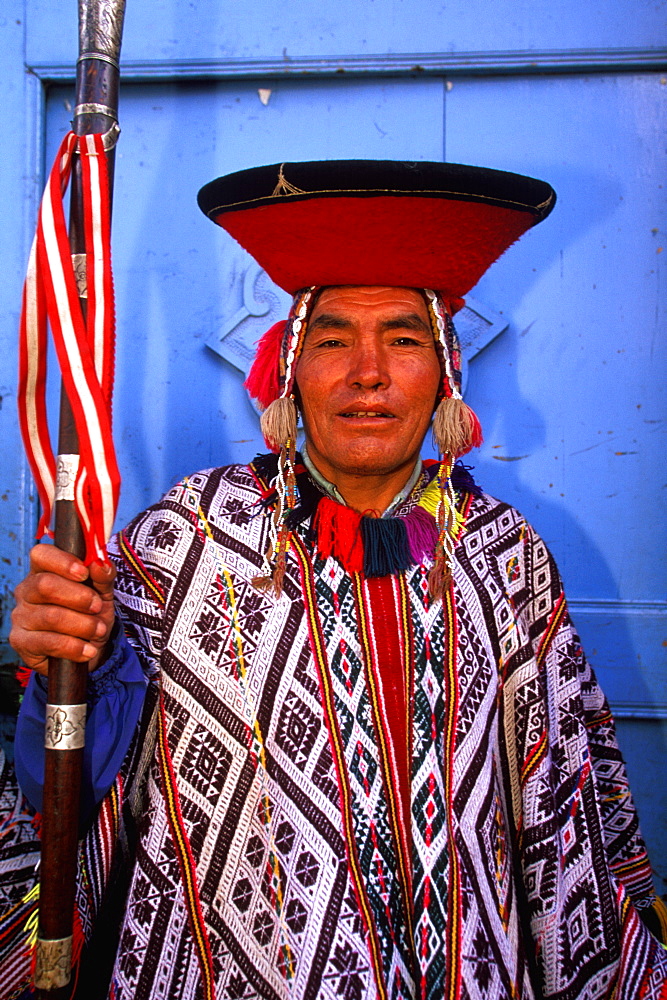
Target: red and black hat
{"x":376,"y":222}
{"x":435,"y":226}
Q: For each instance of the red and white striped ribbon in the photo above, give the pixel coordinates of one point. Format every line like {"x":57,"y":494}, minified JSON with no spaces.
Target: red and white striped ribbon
{"x":85,"y":348}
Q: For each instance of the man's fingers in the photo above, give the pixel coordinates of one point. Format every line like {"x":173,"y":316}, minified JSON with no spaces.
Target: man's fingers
{"x":44,"y":630}
{"x":58,"y":613}
{"x":67,"y":647}
{"x":49,"y":588}
{"x":37,"y":647}
{"x":49,"y":559}
{"x":51,"y":618}
{"x":103,"y":578}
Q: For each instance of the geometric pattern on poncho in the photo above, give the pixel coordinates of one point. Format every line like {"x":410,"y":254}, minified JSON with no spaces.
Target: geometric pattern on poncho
{"x":538,"y":911}
{"x":546,"y":873}
{"x":264,"y":938}
{"x":374,"y":842}
{"x":19,"y":861}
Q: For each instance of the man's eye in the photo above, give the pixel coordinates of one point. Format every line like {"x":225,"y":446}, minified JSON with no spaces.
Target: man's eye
{"x":406,"y":340}
{"x":329,"y":342}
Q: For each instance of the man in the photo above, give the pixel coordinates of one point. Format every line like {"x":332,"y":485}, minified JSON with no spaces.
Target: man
{"x":372,"y":760}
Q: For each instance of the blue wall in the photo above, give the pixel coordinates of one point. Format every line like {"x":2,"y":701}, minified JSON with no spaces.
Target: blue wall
{"x":571,"y":394}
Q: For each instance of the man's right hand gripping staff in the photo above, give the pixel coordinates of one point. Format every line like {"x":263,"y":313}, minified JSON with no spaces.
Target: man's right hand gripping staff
{"x":65,"y":609}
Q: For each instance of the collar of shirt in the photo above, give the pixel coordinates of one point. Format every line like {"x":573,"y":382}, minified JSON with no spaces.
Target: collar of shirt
{"x":331,"y":490}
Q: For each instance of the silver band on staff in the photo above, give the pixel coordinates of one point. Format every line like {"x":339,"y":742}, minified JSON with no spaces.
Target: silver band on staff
{"x":95,"y":109}
{"x":80,"y":267}
{"x":67,"y":467}
{"x":53,"y":962}
{"x":110,"y":137}
{"x":65,"y":727}
{"x":99,"y":55}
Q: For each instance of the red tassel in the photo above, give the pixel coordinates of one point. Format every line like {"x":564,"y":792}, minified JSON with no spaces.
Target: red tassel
{"x":339,"y":534}
{"x":453,"y":305}
{"x":78,"y":937}
{"x":263,"y":382}
{"x":23,"y":675}
{"x":78,"y":941}
{"x":476,"y":435}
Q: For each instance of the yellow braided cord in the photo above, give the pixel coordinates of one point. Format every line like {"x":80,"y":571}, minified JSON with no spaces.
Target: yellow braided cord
{"x":430,"y":501}
{"x":32,"y":922}
{"x":430,"y":498}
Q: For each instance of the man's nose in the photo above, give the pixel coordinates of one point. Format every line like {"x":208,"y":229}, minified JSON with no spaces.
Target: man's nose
{"x":368,"y":367}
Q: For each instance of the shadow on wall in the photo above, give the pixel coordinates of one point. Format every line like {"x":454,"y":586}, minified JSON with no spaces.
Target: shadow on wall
{"x":522,"y":429}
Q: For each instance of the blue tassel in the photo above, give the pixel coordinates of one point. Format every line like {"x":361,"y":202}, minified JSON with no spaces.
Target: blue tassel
{"x":463,"y":481}
{"x":386,"y":548}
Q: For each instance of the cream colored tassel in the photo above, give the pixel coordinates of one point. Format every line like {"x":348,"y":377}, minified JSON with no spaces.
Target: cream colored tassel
{"x":456,"y":428}
{"x":278,"y":423}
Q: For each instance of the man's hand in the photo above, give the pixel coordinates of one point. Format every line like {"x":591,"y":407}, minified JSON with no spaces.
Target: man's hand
{"x":57,"y":614}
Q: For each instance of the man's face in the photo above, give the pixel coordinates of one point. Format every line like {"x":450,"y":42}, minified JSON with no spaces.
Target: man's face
{"x":368,"y":377}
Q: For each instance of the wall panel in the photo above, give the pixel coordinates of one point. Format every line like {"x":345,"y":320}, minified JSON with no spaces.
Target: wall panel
{"x":166,"y":30}
{"x":571,"y":394}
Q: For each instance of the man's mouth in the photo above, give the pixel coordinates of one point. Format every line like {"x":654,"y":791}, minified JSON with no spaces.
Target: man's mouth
{"x":362,"y":414}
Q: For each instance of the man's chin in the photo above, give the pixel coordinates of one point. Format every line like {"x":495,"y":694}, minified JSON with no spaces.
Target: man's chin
{"x":352,"y":464}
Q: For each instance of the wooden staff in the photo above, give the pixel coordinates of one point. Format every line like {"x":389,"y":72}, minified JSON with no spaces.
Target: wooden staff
{"x":96,"y":111}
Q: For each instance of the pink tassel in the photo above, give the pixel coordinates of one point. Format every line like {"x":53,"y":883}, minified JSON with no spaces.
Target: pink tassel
{"x":422,"y":534}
